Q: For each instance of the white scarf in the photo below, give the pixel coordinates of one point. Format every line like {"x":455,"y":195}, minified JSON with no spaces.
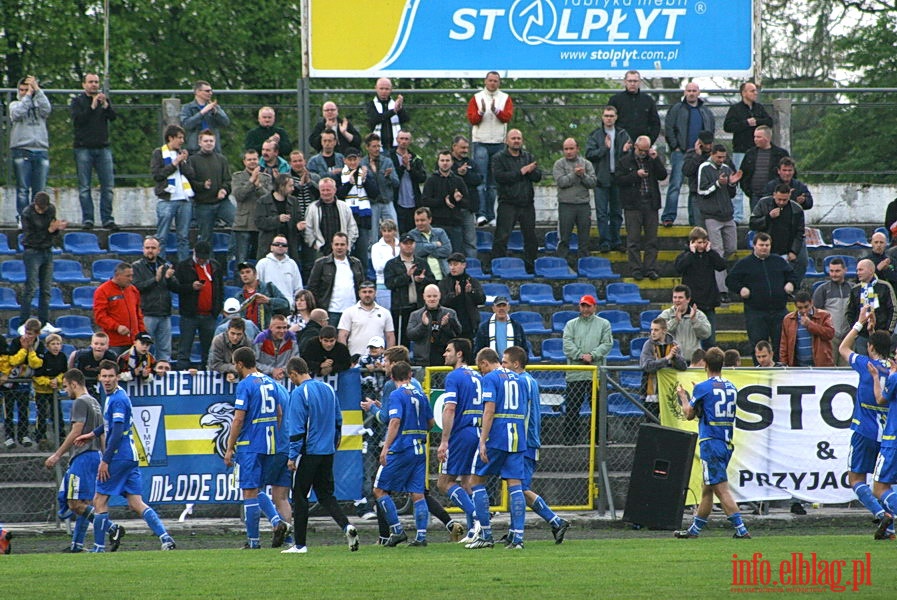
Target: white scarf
{"x":176,"y":181}
{"x":394,"y":120}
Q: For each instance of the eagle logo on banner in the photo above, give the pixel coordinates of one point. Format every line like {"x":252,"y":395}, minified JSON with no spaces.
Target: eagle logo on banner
{"x":221,"y":415}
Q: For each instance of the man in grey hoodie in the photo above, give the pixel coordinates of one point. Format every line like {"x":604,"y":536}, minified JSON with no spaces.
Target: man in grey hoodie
{"x":29,"y":143}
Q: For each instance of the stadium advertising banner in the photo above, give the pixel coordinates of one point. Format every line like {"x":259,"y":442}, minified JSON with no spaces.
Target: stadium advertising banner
{"x":181,"y":425}
{"x":529,"y":38}
{"x":792,"y":432}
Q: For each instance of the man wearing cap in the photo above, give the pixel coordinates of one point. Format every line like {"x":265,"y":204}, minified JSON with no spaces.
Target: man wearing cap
{"x":259,"y":300}
{"x":221,"y":354}
{"x":201,"y":292}
{"x":136,"y":363}
{"x":364,"y":320}
{"x":116,"y":309}
{"x":431,"y":328}
{"x":500,"y":332}
{"x":447,"y":197}
{"x":40,"y":228}
{"x":278,"y":269}
{"x":232,"y":312}
{"x":154,"y":279}
{"x":336,"y":278}
{"x":357,"y":188}
{"x":587,"y":341}
{"x":463,"y":294}
{"x":406,"y":276}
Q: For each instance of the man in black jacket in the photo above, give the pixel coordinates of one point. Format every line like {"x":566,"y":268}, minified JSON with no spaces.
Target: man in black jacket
{"x":336,"y":278}
{"x":783,"y":219}
{"x":446,"y":194}
{"x":693,"y":159}
{"x":411,"y":173}
{"x":155,"y":280}
{"x":463,"y":294}
{"x":638,"y":176}
{"x":515,"y":172}
{"x":406,"y":276}
{"x":741,"y":121}
{"x":201,"y":290}
{"x":637,"y":111}
{"x":698,"y":267}
{"x":759,"y":165}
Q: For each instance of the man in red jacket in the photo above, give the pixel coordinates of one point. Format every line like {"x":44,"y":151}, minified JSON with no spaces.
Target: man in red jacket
{"x":116,"y":309}
{"x":806,"y":335}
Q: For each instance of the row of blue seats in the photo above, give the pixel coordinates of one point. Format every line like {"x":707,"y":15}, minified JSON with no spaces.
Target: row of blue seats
{"x":82,"y":297}
{"x":842,"y":237}
{"x":85,"y":243}
{"x":542,"y":294}
{"x":485,"y":241}
{"x":79,"y":327}
{"x":533,"y":324}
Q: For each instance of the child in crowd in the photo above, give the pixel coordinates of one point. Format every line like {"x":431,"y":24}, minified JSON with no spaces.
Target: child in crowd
{"x":25,"y":355}
{"x":373,"y":369}
{"x":47,"y":379}
{"x":137,"y":362}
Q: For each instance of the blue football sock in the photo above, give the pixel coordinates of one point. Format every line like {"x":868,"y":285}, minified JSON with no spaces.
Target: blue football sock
{"x":154,"y":522}
{"x":735,"y":519}
{"x":267,"y":508}
{"x":421,"y":518}
{"x":543,"y":510}
{"x":252,"y":520}
{"x":389,"y":510}
{"x":518,"y":511}
{"x":461,"y":499}
{"x":481,"y":501}
{"x":889,"y":501}
{"x":697,"y":525}
{"x":864,"y":493}
{"x":79,"y":532}
{"x":100,"y":524}
{"x":88,"y":513}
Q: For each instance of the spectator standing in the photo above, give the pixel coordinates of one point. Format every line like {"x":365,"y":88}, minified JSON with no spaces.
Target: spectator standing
{"x":406,"y":276}
{"x":274,"y":347}
{"x":278,"y":214}
{"x":267,"y":130}
{"x":336,"y":278}
{"x":346,"y":134}
{"x":116,"y":309}
{"x":137,"y":363}
{"x":786,"y":171}
{"x":694,"y":157}
{"x":489,"y":112}
{"x":760,"y":164}
{"x":29,"y":142}
{"x":500,"y":331}
{"x":382,"y":169}
{"x":327,"y":217}
{"x":249,"y":185}
{"x":91,"y":114}
{"x":87,"y":360}
{"x":783,"y":219}
{"x":466,"y":170}
{"x":411,"y":173}
{"x":686,"y":322}
{"x":172,"y":173}
{"x":25,"y":355}
{"x":325,"y":355}
{"x":716,"y":186}
{"x":364,"y":321}
{"x":876,"y":294}
{"x":385,"y":114}
{"x":224,"y":344}
{"x":833,"y":296}
{"x":807,"y":334}
{"x":40,"y":231}
{"x":431,"y":328}
{"x":698,"y":267}
{"x":463,"y":294}
{"x":201,"y":291}
{"x":431,"y":243}
{"x":211,"y":182}
{"x":447,"y":197}
{"x":279,"y":269}
{"x":386,"y":248}
{"x":660,"y":351}
{"x":201,"y":115}
{"x":575,"y":179}
{"x":259,"y":300}
{"x":637,"y":111}
{"x":742,"y":119}
{"x":882,"y":258}
{"x":154,"y":280}
{"x":357,"y":187}
{"x":605,"y":147}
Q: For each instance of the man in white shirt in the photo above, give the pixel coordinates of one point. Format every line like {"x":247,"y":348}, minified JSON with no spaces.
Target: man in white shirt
{"x":364,"y":320}
{"x":489,"y":112}
{"x":336,"y":278}
{"x":279,"y":269}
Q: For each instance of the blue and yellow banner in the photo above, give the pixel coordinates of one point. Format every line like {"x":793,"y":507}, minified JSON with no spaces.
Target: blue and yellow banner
{"x":530,"y":38}
{"x":181,"y":425}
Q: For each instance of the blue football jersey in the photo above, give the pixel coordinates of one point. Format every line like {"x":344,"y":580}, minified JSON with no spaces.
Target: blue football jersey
{"x":508,"y":432}
{"x":868,"y":417}
{"x":533,"y":410}
{"x":258,"y":396}
{"x":889,"y":433}
{"x":717,"y":397}
{"x":118,"y":409}
{"x":411,"y":407}
{"x":464,"y":389}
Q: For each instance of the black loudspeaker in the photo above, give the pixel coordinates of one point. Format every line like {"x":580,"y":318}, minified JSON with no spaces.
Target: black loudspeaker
{"x":660,"y":474}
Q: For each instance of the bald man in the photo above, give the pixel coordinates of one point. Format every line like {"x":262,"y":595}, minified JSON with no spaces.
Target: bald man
{"x":431,"y":328}
{"x":515,"y":172}
{"x":346,"y":134}
{"x":386,"y":114}
{"x":268,"y":130}
{"x":575,"y":178}
{"x":884,"y":260}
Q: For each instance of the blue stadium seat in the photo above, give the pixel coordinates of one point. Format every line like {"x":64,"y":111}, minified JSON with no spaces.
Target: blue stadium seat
{"x":57,"y":302}
{"x":126,"y":244}
{"x":531,"y":321}
{"x":103,"y":269}
{"x":574,"y":291}
{"x":68,"y":271}
{"x":884,"y":231}
{"x":475,"y":269}
{"x":595,"y":267}
{"x":646,"y":317}
{"x":175,"y":326}
{"x":510,"y":268}
{"x":751,"y":234}
{"x":196,"y":353}
{"x":75,"y":326}
{"x":82,"y":297}
{"x":81,"y":243}
{"x":13,"y":271}
{"x":631,"y":379}
{"x":553,"y":350}
{"x":221,"y":244}
{"x":619,"y":321}
{"x":538,"y":294}
{"x":554,"y":267}
{"x":230,"y":291}
{"x":8,"y":299}
{"x":850,"y":237}
{"x":811,"y":269}
{"x":552,"y":239}
{"x":67,"y":350}
{"x":560,"y":318}
{"x":615,"y":356}
{"x":484,"y":241}
{"x":625,"y":293}
{"x":550,"y":381}
{"x":14,"y":323}
{"x":515,"y":241}
{"x":21,"y":248}
{"x":850,"y":264}
{"x":497,"y":289}
{"x":5,"y":250}
{"x":635,"y":347}
{"x":485,"y":316}
{"x":619,"y":406}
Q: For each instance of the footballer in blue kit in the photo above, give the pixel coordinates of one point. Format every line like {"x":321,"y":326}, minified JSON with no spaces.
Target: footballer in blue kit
{"x":868,"y":417}
{"x":885,"y":475}
{"x":462,"y":415}
{"x":258,"y":410}
{"x":501,"y":448}
{"x":403,"y":458}
{"x":118,"y":472}
{"x":515,"y":359}
{"x":713,"y":404}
